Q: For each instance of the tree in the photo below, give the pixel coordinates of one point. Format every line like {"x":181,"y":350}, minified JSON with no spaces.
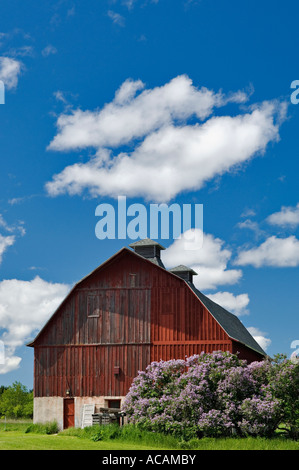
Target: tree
{"x":2,"y":388}
{"x":284,"y":387}
{"x":16,"y":401}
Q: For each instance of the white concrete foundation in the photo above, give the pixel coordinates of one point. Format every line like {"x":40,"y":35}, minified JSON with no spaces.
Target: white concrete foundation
{"x":47,"y":409}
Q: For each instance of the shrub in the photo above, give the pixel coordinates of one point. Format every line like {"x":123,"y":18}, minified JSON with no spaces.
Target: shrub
{"x":260,"y":416}
{"x":214,"y":395}
{"x":284,"y":387}
{"x":43,"y":428}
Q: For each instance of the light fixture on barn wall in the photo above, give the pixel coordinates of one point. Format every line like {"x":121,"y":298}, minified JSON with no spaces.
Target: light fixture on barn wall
{"x":68,"y":392}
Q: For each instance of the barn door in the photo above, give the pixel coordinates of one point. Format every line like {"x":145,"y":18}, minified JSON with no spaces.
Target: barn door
{"x":68,"y":413}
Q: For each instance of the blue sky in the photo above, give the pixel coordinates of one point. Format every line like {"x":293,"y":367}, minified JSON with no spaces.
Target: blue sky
{"x":170,"y":101}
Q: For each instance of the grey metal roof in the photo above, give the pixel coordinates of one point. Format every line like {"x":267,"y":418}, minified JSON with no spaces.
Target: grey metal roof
{"x":229,"y":322}
{"x":146,"y":242}
{"x":181,"y":269}
{"x":156,"y":261}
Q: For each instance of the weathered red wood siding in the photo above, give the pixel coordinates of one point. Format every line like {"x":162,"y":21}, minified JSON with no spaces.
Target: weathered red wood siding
{"x":143,"y":314}
{"x":180,"y":325}
{"x":87,"y":370}
{"x":79,"y":350}
{"x":245,"y":353}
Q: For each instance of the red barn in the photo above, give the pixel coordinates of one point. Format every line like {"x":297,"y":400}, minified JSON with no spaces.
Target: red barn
{"x":115,"y":321}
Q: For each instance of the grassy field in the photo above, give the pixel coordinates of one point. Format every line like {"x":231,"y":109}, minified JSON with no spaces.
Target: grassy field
{"x":15,"y":440}
{"x":14,"y":436}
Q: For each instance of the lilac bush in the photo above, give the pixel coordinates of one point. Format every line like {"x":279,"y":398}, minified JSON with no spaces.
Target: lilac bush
{"x":284,"y":386}
{"x":260,"y":416}
{"x":214,"y":394}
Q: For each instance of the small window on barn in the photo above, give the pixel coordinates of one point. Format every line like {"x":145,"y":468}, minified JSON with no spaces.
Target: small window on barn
{"x":113,"y":404}
{"x":93,"y":305}
{"x":132,"y":279}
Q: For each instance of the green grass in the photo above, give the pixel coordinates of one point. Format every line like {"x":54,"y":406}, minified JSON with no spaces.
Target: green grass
{"x":14,"y":424}
{"x":25,"y":436}
{"x":248,"y":443}
{"x":129,"y":435}
{"x":17,"y":441}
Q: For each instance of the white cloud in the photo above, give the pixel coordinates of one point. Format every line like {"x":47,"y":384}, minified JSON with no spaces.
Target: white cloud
{"x":288,"y":216}
{"x":129,"y":3}
{"x":25,"y":306}
{"x":4,"y":224}
{"x":168,"y":155}
{"x":24,"y":51}
{"x":71,"y":11}
{"x":210,"y":261}
{"x":236,"y":304}
{"x":5,"y":242}
{"x":248,"y":213}
{"x":130,"y":117}
{"x":249,"y":224}
{"x":10,"y":363}
{"x":279,"y":252}
{"x":49,"y":50}
{"x":59,"y":95}
{"x":116,"y":18}
{"x":10,"y":70}
{"x":12,"y":228}
{"x":211,"y":264}
{"x":259,"y":337}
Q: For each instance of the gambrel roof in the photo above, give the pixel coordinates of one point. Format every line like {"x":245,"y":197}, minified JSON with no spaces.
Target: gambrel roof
{"x":228,"y":321}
